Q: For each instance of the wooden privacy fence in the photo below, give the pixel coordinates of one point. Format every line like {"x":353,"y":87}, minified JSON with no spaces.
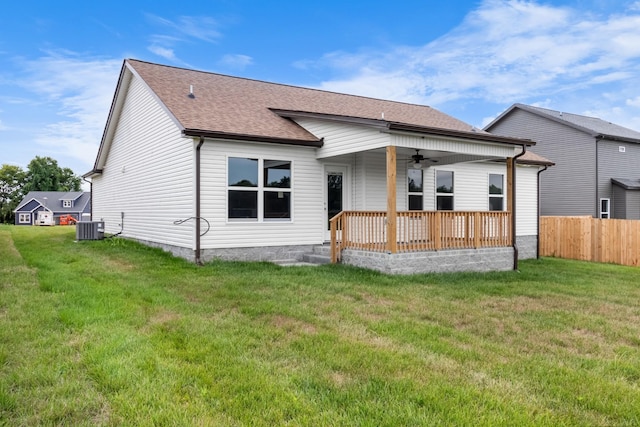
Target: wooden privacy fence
{"x":591,"y":239}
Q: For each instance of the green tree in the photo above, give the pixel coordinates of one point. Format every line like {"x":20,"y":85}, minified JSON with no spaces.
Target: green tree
{"x":69,"y":181}
{"x":12,"y":181}
{"x":44,"y":174}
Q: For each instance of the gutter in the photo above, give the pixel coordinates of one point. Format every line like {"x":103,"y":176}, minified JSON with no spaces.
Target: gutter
{"x":538,"y":219}
{"x":197,"y":251}
{"x":317,"y":143}
{"x":513,"y":207}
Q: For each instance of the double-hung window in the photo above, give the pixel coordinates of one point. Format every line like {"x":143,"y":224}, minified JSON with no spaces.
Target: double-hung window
{"x":444,"y":190}
{"x":24,"y":218}
{"x":496,"y":192}
{"x":258,"y":189}
{"x":414,"y":189}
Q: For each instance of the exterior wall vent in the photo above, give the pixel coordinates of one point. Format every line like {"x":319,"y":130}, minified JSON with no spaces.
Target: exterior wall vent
{"x":622,"y":148}
{"x":90,"y":230}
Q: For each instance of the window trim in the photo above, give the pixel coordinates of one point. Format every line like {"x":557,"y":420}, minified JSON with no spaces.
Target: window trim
{"x":496,"y":196}
{"x":605,"y":214}
{"x":453,"y":192}
{"x":260,"y":189}
{"x":21,"y":217}
{"x":67,"y":204}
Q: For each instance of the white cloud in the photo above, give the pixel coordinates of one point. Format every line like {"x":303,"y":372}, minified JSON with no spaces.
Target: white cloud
{"x":163,"y":52}
{"x":236,"y":61}
{"x":183,"y":29}
{"x":80,"y":89}
{"x":503,"y":52}
{"x":635,"y":102}
{"x":198,"y":27}
{"x":2,"y":126}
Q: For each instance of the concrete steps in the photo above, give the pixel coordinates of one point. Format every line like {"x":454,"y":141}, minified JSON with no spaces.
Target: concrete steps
{"x":321,"y":254}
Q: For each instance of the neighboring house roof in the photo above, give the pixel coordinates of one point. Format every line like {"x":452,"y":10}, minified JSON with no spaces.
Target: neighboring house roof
{"x":52,"y":200}
{"x":627,"y":184}
{"x":594,"y":126}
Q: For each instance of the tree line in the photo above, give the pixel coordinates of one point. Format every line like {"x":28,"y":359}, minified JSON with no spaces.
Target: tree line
{"x":42,"y":174}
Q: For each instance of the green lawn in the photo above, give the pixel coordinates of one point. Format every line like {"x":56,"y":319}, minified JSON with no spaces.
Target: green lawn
{"x":114,"y":333}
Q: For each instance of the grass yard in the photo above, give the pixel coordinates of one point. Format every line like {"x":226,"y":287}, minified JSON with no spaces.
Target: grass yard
{"x":114,"y":333}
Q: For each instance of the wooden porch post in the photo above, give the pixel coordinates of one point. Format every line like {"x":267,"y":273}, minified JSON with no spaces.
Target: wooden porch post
{"x":392,"y":244}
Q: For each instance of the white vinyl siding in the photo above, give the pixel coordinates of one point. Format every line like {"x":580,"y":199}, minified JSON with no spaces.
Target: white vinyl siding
{"x":307,"y":204}
{"x":340,"y":138}
{"x":370,"y":187}
{"x":149,"y":174}
{"x":526,"y":200}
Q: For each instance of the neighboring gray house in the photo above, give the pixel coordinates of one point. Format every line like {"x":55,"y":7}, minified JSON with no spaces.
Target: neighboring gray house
{"x":212,"y":166}
{"x":48,"y":206}
{"x":597,"y":170}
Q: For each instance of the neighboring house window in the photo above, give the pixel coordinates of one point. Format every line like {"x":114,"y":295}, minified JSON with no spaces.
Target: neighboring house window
{"x":605,"y":206}
{"x":259,"y":196}
{"x":24,"y":218}
{"x":444,"y":190}
{"x":496,"y":192}
{"x":414,"y":189}
{"x":66,"y":203}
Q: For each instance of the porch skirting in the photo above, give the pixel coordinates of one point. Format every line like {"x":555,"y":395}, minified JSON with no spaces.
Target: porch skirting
{"x":442,"y":261}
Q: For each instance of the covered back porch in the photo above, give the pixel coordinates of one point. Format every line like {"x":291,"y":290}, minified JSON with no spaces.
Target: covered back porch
{"x":397,"y":235}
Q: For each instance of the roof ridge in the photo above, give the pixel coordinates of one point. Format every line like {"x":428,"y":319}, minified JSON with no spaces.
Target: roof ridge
{"x":284,"y":84}
{"x":562,"y":113}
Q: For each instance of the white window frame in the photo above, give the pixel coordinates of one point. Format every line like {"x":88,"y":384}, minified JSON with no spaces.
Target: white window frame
{"x":495,"y":196}
{"x":24,"y":218}
{"x":452,"y":194}
{"x":66,"y":204}
{"x":415,"y":193}
{"x":605,"y":213}
{"x":260,"y":189}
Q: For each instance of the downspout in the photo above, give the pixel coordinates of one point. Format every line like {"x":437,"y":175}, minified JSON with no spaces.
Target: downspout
{"x":597,"y":215}
{"x":513,"y":207}
{"x":91,"y":197}
{"x":197,"y":254}
{"x":538,"y":219}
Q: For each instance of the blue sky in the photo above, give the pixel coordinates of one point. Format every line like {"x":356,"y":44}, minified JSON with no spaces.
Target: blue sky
{"x":59,"y":61}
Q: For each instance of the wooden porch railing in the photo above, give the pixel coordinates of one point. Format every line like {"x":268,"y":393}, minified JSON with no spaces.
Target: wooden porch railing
{"x":419,"y":230}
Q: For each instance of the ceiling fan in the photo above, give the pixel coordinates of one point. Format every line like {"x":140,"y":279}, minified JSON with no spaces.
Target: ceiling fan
{"x":419,"y":158}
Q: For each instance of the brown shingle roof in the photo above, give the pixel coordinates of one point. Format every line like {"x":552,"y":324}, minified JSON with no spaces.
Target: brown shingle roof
{"x":240,"y":106}
{"x":532,"y":158}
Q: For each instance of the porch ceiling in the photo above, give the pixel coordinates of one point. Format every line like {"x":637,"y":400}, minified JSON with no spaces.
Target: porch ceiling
{"x":431,"y":157}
